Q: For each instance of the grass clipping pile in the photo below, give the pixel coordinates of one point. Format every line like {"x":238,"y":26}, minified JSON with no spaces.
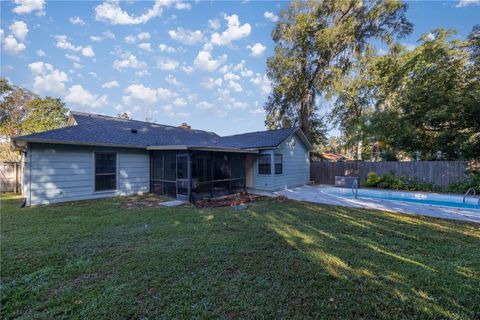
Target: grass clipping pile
{"x":234,"y":200}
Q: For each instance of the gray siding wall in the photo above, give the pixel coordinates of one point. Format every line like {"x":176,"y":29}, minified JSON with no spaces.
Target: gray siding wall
{"x":262,"y":181}
{"x":296,"y":167}
{"x":58,"y":173}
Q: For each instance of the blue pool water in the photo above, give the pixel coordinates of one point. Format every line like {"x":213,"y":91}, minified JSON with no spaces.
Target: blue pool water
{"x":471,"y":203}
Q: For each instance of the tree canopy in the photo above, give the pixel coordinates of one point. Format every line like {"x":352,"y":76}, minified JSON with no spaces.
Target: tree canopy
{"x":22,"y":112}
{"x":316,"y":43}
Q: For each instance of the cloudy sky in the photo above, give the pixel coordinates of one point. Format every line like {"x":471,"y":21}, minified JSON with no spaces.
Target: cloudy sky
{"x":198,"y":62}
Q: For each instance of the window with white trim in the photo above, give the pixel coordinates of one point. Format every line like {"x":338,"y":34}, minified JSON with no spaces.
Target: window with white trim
{"x":264,"y":164}
{"x":105,"y":171}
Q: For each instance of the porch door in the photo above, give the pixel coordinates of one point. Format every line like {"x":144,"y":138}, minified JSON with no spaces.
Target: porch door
{"x":249,"y":171}
{"x":183,"y":181}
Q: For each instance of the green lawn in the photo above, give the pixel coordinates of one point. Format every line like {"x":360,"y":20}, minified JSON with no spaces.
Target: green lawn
{"x":95,"y":260}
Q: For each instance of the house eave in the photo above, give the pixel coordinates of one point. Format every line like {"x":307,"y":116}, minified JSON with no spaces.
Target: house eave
{"x":185,"y":147}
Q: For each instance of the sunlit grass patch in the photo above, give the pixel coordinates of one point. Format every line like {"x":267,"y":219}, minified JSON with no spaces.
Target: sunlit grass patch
{"x":95,"y":259}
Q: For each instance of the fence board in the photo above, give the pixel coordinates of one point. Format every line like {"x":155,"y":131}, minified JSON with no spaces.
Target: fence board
{"x":440,"y":173}
{"x":10,"y":177}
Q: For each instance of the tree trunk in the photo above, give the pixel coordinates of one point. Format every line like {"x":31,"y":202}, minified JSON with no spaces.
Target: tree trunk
{"x":304,"y":117}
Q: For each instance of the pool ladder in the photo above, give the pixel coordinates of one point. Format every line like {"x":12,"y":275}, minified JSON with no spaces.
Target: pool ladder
{"x":474,"y":193}
{"x":355,"y":188}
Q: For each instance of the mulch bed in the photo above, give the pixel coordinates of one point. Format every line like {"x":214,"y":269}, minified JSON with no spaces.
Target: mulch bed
{"x":143,"y":201}
{"x":235,"y":200}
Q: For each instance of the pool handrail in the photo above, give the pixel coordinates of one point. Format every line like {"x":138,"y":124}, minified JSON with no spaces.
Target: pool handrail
{"x":355,"y":188}
{"x":468,"y":191}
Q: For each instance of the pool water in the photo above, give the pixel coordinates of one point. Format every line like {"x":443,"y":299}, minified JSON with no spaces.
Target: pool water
{"x":412,"y":197}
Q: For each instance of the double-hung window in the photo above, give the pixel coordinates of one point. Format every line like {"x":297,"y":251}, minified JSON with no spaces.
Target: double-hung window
{"x":264,"y":164}
{"x":105,"y":171}
{"x":278,"y":164}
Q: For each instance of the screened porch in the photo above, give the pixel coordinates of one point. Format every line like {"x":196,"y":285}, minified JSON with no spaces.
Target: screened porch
{"x":193,"y":175}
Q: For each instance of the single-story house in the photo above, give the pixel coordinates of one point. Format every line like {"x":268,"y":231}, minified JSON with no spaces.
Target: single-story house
{"x":98,"y":156}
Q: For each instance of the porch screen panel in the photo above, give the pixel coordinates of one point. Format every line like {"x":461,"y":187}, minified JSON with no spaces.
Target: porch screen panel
{"x":201,"y":174}
{"x":221,"y":174}
{"x":164,"y":165}
{"x":237,"y":166}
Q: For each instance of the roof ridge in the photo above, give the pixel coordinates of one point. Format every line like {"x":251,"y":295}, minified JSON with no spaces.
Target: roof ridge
{"x":241,"y":134}
{"x":72,"y":112}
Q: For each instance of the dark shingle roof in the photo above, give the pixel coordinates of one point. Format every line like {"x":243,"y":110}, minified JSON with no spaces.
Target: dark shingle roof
{"x":99,"y":129}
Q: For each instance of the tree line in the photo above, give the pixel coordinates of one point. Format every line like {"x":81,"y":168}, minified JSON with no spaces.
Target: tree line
{"x":422,"y":103}
{"x":23,"y":112}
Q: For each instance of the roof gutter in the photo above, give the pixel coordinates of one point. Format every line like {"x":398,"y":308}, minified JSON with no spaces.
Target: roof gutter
{"x":20,"y":143}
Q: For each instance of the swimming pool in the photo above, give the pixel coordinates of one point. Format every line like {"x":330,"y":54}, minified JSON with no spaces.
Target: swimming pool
{"x":432,"y":199}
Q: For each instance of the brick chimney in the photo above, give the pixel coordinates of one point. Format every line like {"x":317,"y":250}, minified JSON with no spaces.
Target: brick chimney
{"x":185,"y":126}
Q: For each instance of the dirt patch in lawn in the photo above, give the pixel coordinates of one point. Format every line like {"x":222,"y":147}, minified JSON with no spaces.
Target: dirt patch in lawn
{"x":149,"y":200}
{"x":235,"y":200}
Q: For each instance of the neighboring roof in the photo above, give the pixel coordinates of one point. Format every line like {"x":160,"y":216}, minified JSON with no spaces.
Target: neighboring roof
{"x":330,"y":156}
{"x":94,"y":129}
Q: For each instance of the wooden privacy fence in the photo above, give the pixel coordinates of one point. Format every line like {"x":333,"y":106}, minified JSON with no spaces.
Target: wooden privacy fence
{"x":10,"y":177}
{"x":440,"y":173}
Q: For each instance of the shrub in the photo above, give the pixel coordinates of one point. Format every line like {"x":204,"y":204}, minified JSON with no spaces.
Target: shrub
{"x":473,"y":181}
{"x":372,"y":180}
{"x":390,"y":181}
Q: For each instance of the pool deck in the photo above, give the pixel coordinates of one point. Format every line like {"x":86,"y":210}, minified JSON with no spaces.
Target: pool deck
{"x":319,"y":194}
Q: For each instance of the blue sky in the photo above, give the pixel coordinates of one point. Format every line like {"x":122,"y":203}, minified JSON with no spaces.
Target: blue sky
{"x":198,"y":62}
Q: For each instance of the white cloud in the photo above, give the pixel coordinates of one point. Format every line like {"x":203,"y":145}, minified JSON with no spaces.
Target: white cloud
{"x":12,"y":46}
{"x":185,"y":36}
{"x":72,"y":57}
{"x":111,"y":12}
{"x":82,"y":97}
{"x":93,"y":74}
{"x":140,"y":93}
{"x":231,"y":76}
{"x":180,"y":102}
{"x":234,"y":31}
{"x":211,"y":83}
{"x":235,"y":86}
{"x":141,"y":73}
{"x":257,"y":49}
{"x":205,"y":61}
{"x":111,"y":84}
{"x":262,"y":82}
{"x":210,"y":108}
{"x":27,"y":6}
{"x":96,"y":38}
{"x":145,"y":46}
{"x":40,"y":53}
{"x":172,"y":80}
{"x":88,"y":51}
{"x":77,"y":20}
{"x":109,"y":34}
{"x":128,"y":60}
{"x":164,"y":48}
{"x":143,"y":36}
{"x":165,"y":94}
{"x":130,"y":39}
{"x":19,"y":30}
{"x":187,"y":69}
{"x":64,"y":43}
{"x":465,"y":3}
{"x":106,"y":35}
{"x":214,"y":24}
{"x":47,"y":79}
{"x":77,"y":66}
{"x":270,"y":16}
{"x":229,"y":102}
{"x":182,"y":6}
{"x":164,"y":63}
